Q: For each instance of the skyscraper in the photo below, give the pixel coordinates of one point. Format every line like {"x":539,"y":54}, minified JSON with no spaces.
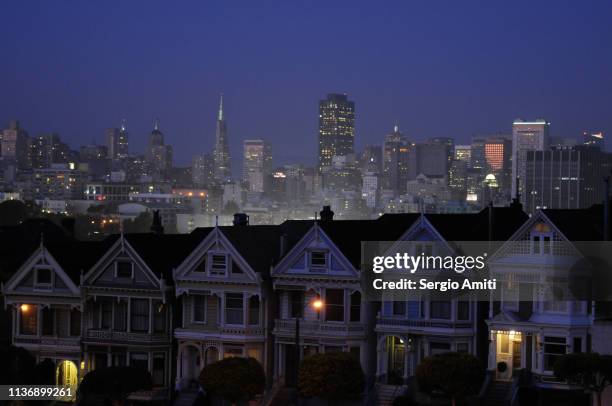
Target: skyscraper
{"x":14,"y":146}
{"x":526,"y":136}
{"x":117,"y":140}
{"x":123,"y":142}
{"x":203,"y":169}
{"x":223,"y":170}
{"x":158,"y":155}
{"x":336,"y":128}
{"x":396,"y":150}
{"x":564,"y":178}
{"x":257,"y":164}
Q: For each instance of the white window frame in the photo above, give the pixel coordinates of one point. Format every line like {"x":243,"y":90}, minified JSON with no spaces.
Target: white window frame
{"x":193,"y":306}
{"x":209,"y":264}
{"x":326,"y":256}
{"x":225,"y":309}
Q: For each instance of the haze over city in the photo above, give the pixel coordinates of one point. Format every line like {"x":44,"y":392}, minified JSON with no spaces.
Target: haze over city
{"x":451,"y":69}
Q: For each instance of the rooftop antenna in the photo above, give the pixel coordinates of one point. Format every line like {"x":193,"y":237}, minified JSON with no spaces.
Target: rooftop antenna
{"x":220,"y":115}
{"x":42,"y":239}
{"x":156,"y":124}
{"x":217,"y":220}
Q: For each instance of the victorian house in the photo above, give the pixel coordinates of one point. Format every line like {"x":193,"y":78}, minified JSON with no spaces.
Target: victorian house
{"x":43,"y":297}
{"x":128,"y":302}
{"x":418,"y":326}
{"x":537,"y":316}
{"x":318,"y":287}
{"x":223,"y":288}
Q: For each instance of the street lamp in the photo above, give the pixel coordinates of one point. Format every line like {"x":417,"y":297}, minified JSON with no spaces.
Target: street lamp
{"x":317,"y":305}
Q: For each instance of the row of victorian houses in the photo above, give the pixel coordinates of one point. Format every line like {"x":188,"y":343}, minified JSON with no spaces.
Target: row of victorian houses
{"x":173,"y":304}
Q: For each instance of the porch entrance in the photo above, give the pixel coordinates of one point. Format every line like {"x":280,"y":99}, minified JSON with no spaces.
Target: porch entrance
{"x":66,"y":374}
{"x":396,"y":359}
{"x":190,"y":366}
{"x":508,"y":354}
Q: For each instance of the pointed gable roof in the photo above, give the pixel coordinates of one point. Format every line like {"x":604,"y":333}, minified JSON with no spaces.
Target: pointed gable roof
{"x":258,"y":245}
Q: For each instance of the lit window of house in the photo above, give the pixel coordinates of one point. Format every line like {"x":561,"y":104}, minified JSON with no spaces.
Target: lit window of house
{"x":28,"y":324}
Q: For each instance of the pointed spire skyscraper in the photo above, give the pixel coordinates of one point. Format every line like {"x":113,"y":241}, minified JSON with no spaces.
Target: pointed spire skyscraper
{"x":223,"y":171}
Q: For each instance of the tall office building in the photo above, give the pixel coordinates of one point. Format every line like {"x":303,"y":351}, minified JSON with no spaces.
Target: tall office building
{"x":257,"y":164}
{"x":526,"y":136}
{"x":428,"y":159}
{"x":371,"y":159}
{"x":158,"y":154}
{"x":203,"y":170}
{"x":564,"y":178}
{"x":48,"y":149}
{"x":223,"y":169}
{"x":14,"y":146}
{"x":117,"y":141}
{"x":463,"y":153}
{"x":447,"y":142}
{"x":396,"y":149}
{"x":336,"y":128}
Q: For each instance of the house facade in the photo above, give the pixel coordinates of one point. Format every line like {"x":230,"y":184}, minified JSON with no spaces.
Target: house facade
{"x":221,"y":288}
{"x":128,"y":303}
{"x":44,"y":299}
{"x":534,"y":319}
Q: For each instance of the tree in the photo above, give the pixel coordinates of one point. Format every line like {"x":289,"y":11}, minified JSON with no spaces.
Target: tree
{"x":334,"y":376}
{"x":113,"y":384}
{"x":13,"y":212}
{"x":456,"y":375}
{"x":590,"y":370}
{"x":18,"y":366}
{"x":234,"y":378}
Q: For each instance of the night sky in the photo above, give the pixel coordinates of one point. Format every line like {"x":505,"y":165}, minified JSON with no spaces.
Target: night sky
{"x":439,"y":68}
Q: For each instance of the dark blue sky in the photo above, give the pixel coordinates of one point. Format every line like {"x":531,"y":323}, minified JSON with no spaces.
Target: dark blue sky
{"x":440,"y":68}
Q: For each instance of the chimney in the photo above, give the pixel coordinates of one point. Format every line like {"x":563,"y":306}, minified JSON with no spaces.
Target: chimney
{"x":241,"y":219}
{"x":326,"y":214}
{"x":156,"y":225}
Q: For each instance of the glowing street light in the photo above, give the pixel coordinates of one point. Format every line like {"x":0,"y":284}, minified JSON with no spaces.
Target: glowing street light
{"x":317,"y":304}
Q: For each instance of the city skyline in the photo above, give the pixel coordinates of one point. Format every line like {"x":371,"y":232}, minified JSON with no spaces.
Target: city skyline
{"x":397,"y":74}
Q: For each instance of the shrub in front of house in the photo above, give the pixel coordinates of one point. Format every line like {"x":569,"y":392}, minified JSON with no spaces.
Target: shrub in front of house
{"x":333,"y":376}
{"x":113,"y":383}
{"x":234,"y":379}
{"x":452,"y":374}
